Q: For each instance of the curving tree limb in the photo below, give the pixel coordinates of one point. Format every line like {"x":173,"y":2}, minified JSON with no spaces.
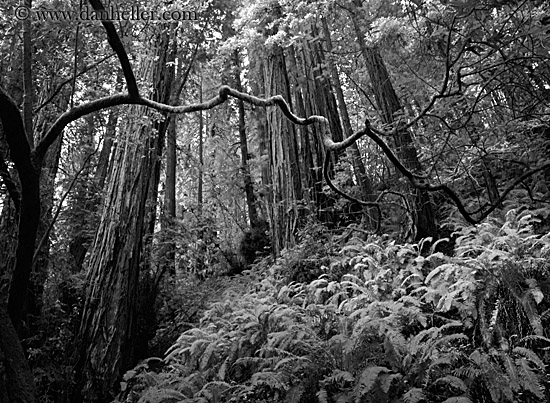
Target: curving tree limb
{"x":118,"y":47}
{"x":422,"y":182}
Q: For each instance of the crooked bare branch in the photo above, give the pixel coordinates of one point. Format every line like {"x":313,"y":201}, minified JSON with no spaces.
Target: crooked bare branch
{"x":118,"y":47}
{"x":422,"y":182}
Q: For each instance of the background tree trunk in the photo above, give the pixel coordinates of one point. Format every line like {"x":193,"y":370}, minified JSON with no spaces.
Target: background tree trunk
{"x":363,"y":179}
{"x":248,"y":184}
{"x":388,"y":106}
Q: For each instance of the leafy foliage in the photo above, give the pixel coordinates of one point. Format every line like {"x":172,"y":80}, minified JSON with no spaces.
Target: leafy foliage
{"x":397,"y":326}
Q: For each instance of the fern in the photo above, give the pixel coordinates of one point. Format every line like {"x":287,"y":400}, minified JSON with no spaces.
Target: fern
{"x":295,"y":393}
{"x":155,"y":395}
{"x":367,"y":380}
{"x":322,"y":396}
{"x":458,"y":399}
{"x":529,"y":379}
{"x":385,"y":330}
{"x":456,"y":384}
{"x":414,"y":395}
{"x":531,"y":356}
{"x":339,"y":377}
{"x":512,"y":373}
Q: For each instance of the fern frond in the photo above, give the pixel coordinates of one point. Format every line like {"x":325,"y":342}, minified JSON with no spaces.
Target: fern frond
{"x":437,"y":271}
{"x":450,"y":338}
{"x":529,"y":379}
{"x":269,"y":379}
{"x":294,"y":394}
{"x":367,"y":380}
{"x":446,"y":302}
{"x":447,"y":359}
{"x":414,"y":395}
{"x":468,"y":372}
{"x":531,"y":356}
{"x":534,"y":338}
{"x":222,"y":384}
{"x":290,"y":360}
{"x":529,"y":300}
{"x":207,"y":354}
{"x":198,"y":347}
{"x":545,"y":315}
{"x":156,"y":395}
{"x":250,"y":361}
{"x":417,"y":342}
{"x":511,"y":372}
{"x":456,"y":384}
{"x":344,"y":397}
{"x":409,"y":300}
{"x":387,"y":381}
{"x":339,"y":377}
{"x":222,"y":371}
{"x":322,"y":396}
{"x":450,"y":325}
{"x":458,"y":399}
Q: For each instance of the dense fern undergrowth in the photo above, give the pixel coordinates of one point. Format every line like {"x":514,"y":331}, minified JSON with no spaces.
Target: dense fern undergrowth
{"x":370,"y":320}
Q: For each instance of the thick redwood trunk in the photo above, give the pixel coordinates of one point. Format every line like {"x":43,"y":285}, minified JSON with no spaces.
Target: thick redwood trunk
{"x":108,"y":329}
{"x":283,"y":157}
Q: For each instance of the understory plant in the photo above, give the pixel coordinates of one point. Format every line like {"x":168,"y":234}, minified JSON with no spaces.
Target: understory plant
{"x":397,"y":326}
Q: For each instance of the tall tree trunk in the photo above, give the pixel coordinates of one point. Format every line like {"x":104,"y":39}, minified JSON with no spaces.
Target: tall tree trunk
{"x":48,"y":174}
{"x":169,"y":255}
{"x":247,"y":178}
{"x":319,"y":100}
{"x":259,"y":117}
{"x":16,"y":379}
{"x":33,"y":303}
{"x":388,"y":105}
{"x":283,"y":156}
{"x":147,"y":315}
{"x":28,"y":219}
{"x":201,"y":245}
{"x":360,"y":171}
{"x":108,"y":328}
{"x":313,"y":150}
{"x":201,"y":158}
